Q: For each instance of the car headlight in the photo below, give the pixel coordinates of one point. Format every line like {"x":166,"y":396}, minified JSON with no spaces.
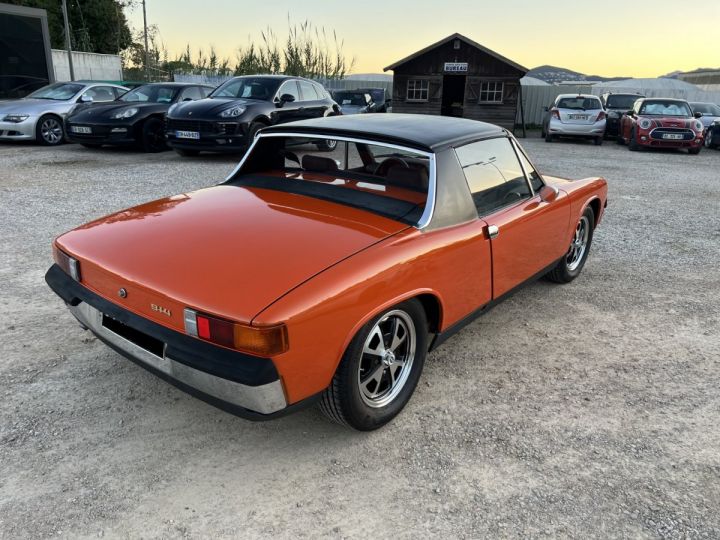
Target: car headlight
{"x":16,"y":117}
{"x":124,"y":113}
{"x":232,"y":112}
{"x":698,"y":125}
{"x":645,"y":123}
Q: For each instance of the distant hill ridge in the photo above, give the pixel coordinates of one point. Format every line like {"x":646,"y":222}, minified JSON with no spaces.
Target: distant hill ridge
{"x":555,"y":74}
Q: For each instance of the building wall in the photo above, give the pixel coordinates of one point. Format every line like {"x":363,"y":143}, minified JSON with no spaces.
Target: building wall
{"x":481,"y":67}
{"x":91,"y":66}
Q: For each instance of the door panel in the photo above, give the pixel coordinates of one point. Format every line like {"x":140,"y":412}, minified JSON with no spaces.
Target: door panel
{"x":531,"y":235}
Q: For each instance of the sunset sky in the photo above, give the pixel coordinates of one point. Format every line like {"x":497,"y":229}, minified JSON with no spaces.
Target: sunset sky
{"x":638,"y":38}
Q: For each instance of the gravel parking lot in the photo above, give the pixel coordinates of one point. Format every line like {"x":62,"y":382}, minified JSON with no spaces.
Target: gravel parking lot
{"x":588,"y":410}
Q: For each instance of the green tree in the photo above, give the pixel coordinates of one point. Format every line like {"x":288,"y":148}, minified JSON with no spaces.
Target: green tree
{"x":97,"y":26}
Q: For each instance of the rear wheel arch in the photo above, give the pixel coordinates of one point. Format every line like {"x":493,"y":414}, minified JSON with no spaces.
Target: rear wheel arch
{"x":431,"y":304}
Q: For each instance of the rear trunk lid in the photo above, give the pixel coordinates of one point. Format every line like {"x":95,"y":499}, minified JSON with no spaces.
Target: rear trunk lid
{"x":226,"y":250}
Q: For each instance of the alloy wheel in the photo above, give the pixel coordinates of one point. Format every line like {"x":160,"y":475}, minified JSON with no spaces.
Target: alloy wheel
{"x":578,"y":245}
{"x":387,"y":358}
{"x":51,"y":131}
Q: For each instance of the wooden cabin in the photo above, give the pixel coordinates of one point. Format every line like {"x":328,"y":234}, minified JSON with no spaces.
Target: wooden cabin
{"x":458,"y":77}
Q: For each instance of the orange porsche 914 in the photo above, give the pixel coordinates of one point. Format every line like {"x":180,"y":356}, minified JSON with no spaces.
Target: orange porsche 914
{"x":326,"y":276}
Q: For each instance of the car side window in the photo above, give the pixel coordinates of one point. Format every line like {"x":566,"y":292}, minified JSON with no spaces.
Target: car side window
{"x":308,"y":91}
{"x":289,"y":87}
{"x":119,"y":92}
{"x":493,"y":173}
{"x":191,"y":92}
{"x":535,"y":180}
{"x":205,"y":91}
{"x":100,"y":94}
{"x":320,"y":91}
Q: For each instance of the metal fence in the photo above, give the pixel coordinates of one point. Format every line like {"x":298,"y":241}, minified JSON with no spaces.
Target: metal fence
{"x":330,"y":84}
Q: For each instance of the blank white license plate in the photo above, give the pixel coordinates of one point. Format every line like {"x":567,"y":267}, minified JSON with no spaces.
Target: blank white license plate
{"x":187,"y":134}
{"x":80,"y":129}
{"x":672,"y":136}
{"x":578,"y":116}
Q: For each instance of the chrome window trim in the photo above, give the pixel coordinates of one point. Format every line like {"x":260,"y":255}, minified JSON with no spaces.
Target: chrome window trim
{"x":429,"y":209}
{"x":521,"y":150}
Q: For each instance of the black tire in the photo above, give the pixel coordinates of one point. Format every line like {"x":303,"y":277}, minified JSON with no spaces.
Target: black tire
{"x":542,"y":133}
{"x":345,"y":402}
{"x":598,"y":141}
{"x":49,"y":130}
{"x":564,"y":271}
{"x":187,"y":153}
{"x":91,"y":146}
{"x":327,"y":145}
{"x":633,"y":145}
{"x":694,"y":151}
{"x":709,"y":139}
{"x":153,"y":136}
{"x":252,"y":131}
{"x":549,"y":138}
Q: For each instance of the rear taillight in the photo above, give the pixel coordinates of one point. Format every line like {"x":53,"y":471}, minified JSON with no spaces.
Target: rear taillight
{"x":555,"y":113}
{"x":601,"y":116}
{"x":67,"y":263}
{"x":259,"y":340}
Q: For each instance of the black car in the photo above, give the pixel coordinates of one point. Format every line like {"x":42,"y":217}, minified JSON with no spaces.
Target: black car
{"x":615,"y":106}
{"x":136,"y":118}
{"x":378,"y":96}
{"x":229,"y":118}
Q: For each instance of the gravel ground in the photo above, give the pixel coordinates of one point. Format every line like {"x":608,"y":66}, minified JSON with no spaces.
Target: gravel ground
{"x":588,"y":410}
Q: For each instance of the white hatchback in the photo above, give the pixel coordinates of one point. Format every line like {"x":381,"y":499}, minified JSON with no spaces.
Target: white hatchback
{"x":575,"y":115}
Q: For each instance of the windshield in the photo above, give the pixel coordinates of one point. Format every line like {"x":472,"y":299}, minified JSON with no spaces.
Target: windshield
{"x":151,"y":94}
{"x":579,"y":103}
{"x":621,"y":102}
{"x":262,"y":88}
{"x":388,"y":181}
{"x":350,"y":98}
{"x":665,"y":108}
{"x":57,"y":91}
{"x":708,"y":109}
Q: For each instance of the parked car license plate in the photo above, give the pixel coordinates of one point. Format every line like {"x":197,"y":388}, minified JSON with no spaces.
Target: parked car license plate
{"x":578,"y":116}
{"x":80,"y":129}
{"x":187,"y":134}
{"x":672,"y":136}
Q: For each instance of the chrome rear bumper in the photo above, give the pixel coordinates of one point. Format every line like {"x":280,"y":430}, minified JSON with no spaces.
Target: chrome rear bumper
{"x":264,"y":399}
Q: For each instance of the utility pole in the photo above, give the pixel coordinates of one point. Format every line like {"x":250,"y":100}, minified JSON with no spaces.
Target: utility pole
{"x":147,"y":52}
{"x":68,"y":45}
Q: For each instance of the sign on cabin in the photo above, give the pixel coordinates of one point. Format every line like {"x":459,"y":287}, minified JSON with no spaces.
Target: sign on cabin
{"x":456,"y":67}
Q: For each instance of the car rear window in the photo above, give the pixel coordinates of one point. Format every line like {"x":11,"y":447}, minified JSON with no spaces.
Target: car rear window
{"x":385,"y":180}
{"x":579,"y":103}
{"x":621,"y":102}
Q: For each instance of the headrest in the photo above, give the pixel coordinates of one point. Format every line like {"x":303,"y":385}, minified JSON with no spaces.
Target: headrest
{"x":318,"y":164}
{"x":408,"y":178}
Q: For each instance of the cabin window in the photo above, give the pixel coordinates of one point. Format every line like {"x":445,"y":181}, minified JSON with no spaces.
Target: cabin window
{"x":491,"y":91}
{"x":418,"y":90}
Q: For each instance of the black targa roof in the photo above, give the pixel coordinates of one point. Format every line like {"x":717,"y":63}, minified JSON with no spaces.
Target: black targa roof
{"x":422,"y":132}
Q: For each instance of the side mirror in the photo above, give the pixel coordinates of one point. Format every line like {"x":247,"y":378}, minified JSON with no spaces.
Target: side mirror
{"x":85,"y":99}
{"x":549,"y":193}
{"x":287,"y":98}
{"x":698,"y":114}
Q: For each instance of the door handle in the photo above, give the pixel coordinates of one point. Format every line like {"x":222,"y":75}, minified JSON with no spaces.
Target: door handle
{"x":493,"y":231}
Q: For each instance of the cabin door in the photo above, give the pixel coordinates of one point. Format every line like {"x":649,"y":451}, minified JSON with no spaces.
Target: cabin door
{"x":453,"y":95}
